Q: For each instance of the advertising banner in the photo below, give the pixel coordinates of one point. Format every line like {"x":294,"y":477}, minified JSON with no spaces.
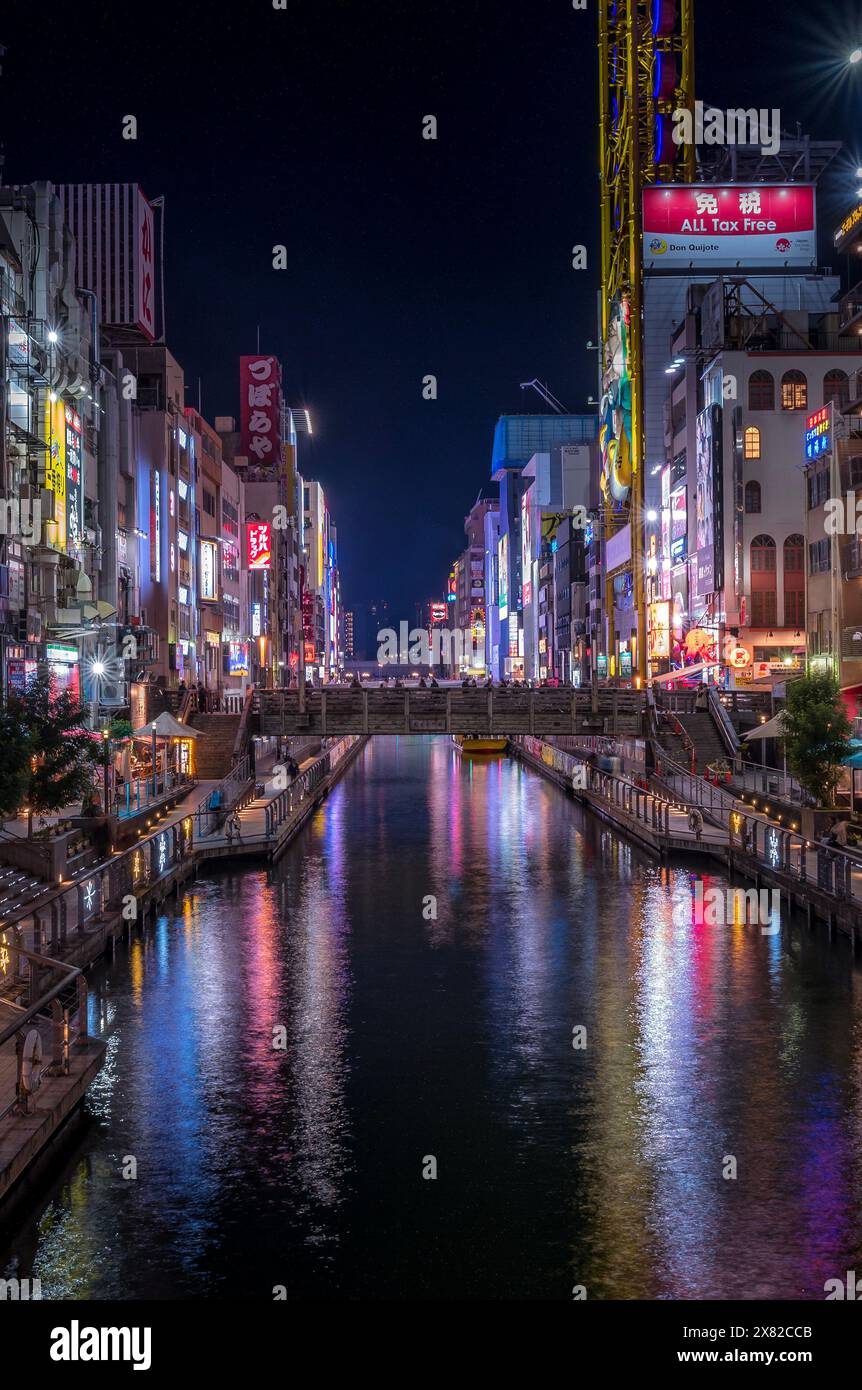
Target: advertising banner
{"x":74,"y":483}
{"x":260,"y":408}
{"x":503,"y":576}
{"x":209,"y":571}
{"x":258,"y":545}
{"x":709,"y":503}
{"x":701,"y":227}
{"x":55,"y":469}
{"x":145,"y":268}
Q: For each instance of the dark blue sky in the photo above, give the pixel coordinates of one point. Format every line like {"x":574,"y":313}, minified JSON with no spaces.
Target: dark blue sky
{"x":406,"y":257}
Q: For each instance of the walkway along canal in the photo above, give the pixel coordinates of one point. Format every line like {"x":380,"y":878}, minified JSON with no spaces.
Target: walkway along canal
{"x":424,"y":950}
{"x":46,"y":944}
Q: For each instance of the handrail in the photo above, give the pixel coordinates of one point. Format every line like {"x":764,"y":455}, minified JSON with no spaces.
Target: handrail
{"x":722,"y":721}
{"x":241,"y":739}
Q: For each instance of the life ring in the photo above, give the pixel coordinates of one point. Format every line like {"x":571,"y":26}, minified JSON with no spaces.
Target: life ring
{"x":30,"y":1074}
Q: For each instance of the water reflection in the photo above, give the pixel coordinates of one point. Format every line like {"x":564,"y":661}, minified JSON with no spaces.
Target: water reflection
{"x":286,"y":1048}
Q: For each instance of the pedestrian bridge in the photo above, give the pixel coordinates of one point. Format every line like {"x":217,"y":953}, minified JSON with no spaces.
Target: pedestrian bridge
{"x":500,"y":712}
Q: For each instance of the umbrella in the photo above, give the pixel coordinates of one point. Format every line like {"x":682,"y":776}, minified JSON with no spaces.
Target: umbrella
{"x":166,"y":727}
{"x":773,"y":728}
{"x":855,"y":760}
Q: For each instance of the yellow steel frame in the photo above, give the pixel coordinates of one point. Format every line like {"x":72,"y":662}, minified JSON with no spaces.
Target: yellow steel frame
{"x":627,"y":57}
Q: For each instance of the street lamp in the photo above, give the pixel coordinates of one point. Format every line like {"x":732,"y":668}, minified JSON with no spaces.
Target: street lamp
{"x":855,"y":56}
{"x":155,"y":784}
{"x":106,"y":749}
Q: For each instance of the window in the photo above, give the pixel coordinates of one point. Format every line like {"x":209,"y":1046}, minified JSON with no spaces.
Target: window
{"x":794,"y":549}
{"x":794,"y":391}
{"x":764,"y":593}
{"x":836,"y":387}
{"x":818,"y":487}
{"x":763,"y":554}
{"x":820,"y":556}
{"x":794,"y":581}
{"x":854,"y":471}
{"x":761,"y":391}
{"x":764,"y":608}
{"x":751,"y":444}
{"x":752,"y":498}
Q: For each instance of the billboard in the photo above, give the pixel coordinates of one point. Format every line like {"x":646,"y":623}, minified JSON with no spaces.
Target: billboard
{"x":260,"y":408}
{"x":55,"y":469}
{"x":819,"y":429}
{"x":209,"y":571}
{"x":503,"y":576}
{"x":145,"y":268}
{"x":659,"y":631}
{"x":678,"y":526}
{"x":700,"y":227}
{"x":709,"y":503}
{"x":74,"y":483}
{"x":258,"y":547}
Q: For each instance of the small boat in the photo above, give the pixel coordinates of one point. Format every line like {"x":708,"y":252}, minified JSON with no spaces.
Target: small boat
{"x":489,"y":747}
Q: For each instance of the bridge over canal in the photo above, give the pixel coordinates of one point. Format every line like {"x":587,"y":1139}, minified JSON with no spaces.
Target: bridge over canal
{"x":501,"y":712}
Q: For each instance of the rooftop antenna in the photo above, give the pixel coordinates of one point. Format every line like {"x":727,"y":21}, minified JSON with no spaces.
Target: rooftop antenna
{"x":546,"y":394}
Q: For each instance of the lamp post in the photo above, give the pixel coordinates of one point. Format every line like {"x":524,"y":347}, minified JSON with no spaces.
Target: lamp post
{"x":155,"y":769}
{"x":106,"y":750}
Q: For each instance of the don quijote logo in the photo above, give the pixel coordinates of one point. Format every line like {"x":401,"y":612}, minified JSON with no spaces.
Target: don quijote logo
{"x":783,"y":245}
{"x":658,"y":246}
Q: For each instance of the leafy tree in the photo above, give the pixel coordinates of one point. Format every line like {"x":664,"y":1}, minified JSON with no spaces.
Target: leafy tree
{"x":120,"y":729}
{"x":15,"y":762}
{"x":816,"y":730}
{"x":59,"y":748}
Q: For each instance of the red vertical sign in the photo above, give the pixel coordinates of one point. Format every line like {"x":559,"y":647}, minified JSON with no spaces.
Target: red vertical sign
{"x":260,"y":408}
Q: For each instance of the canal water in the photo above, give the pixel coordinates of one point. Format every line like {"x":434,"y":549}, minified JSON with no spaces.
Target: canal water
{"x":424,"y":952}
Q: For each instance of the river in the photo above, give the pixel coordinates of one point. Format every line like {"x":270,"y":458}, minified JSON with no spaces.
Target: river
{"x":354,"y":1076}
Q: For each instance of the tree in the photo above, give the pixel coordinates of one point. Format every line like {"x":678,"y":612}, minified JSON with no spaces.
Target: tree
{"x":816,"y":730}
{"x":60,"y":751}
{"x":15,"y":762}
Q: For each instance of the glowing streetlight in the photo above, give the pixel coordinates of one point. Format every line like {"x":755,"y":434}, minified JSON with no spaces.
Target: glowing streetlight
{"x":855,"y":56}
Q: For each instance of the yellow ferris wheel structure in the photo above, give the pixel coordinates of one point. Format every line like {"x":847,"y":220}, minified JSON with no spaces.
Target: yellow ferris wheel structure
{"x":646,"y":73}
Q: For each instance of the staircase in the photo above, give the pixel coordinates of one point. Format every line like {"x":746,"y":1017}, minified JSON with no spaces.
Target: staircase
{"x":214,"y":749}
{"x":707,"y":741}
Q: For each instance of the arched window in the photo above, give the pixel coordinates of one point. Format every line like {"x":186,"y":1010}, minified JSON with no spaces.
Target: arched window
{"x":794,"y":582}
{"x":794,"y":391}
{"x":752,"y":498}
{"x":836,"y":387}
{"x":764,"y":592}
{"x":751,"y":442}
{"x":761,"y":391}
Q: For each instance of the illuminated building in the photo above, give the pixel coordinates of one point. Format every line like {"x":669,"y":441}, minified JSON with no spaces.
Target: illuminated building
{"x":50,"y":443}
{"x":645,"y":74}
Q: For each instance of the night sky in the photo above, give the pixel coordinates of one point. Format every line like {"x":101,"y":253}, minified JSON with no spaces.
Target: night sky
{"x":406,"y":256}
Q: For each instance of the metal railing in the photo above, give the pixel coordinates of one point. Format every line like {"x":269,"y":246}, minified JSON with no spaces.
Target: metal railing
{"x":693,"y":790}
{"x":766,"y":781}
{"x":638,"y":803}
{"x":230,"y":794}
{"x":288,"y":802}
{"x":138,"y":793}
{"x":832,"y":871}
